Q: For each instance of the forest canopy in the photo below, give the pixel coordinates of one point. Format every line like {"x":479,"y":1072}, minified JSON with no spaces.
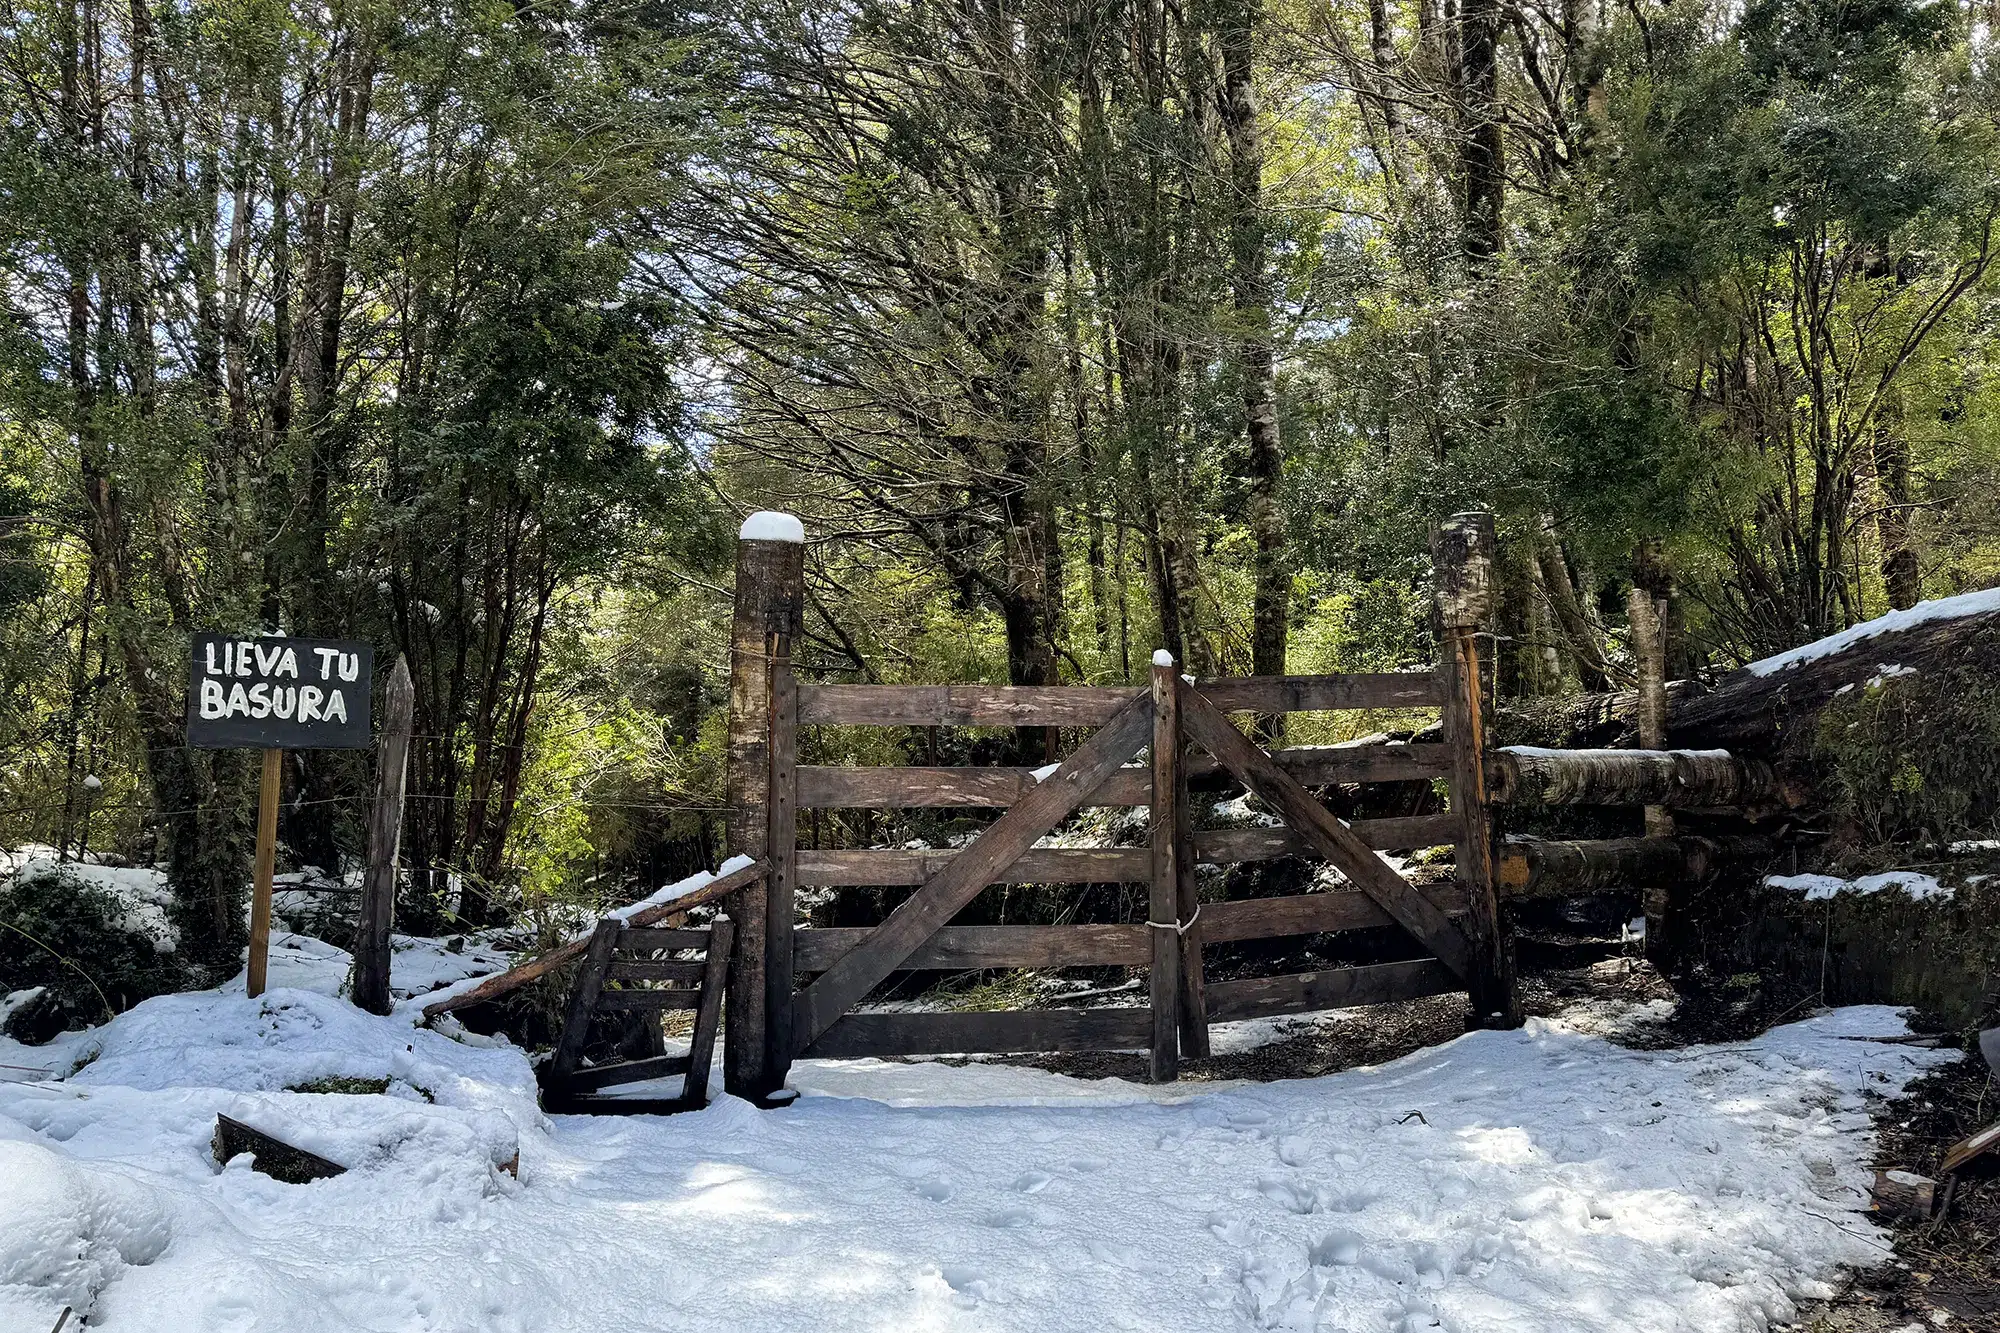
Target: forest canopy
{"x":1070,"y":329}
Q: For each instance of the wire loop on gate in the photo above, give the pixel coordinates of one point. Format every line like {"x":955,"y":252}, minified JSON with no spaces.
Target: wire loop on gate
{"x":1178,"y":927}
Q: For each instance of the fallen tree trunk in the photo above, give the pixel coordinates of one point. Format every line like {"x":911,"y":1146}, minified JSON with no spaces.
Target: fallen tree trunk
{"x":1548,"y":868}
{"x":1755,"y":709}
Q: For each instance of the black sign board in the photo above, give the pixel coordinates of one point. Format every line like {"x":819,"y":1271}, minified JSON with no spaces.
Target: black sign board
{"x":278,"y":693}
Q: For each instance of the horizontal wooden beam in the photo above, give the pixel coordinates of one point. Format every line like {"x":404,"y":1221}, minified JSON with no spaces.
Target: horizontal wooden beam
{"x":591,"y":1078}
{"x":1038,"y":865}
{"x":646,"y":969}
{"x":1336,"y":988}
{"x":876,"y":866}
{"x":1328,"y":765}
{"x":641,"y":939}
{"x":889,"y":788}
{"x":1297,"y":914}
{"x":1304,"y":694}
{"x":964,"y":948}
{"x":961,"y":705}
{"x":629,"y":1000}
{"x":1682,"y":779}
{"x":1092,"y":705}
{"x":854,"y":1035}
{"x":910,"y":787}
{"x":1222,"y":846}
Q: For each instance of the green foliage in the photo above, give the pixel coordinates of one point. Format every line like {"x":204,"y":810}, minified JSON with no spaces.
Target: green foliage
{"x":59,"y":931}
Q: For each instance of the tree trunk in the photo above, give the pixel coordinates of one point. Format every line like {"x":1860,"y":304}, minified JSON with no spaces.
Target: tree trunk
{"x":1271,"y":607}
{"x":1900,"y":572}
{"x":1482,"y":168}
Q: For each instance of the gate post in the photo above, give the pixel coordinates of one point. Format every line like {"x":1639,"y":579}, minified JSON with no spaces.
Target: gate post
{"x":1462,"y":550}
{"x":770,"y":581}
{"x":1163,"y":903}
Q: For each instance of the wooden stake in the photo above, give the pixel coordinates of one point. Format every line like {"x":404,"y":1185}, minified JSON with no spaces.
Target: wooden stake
{"x":1643,"y":607}
{"x":385,"y":834}
{"x":267,"y":859}
{"x":1163,"y":904}
{"x":770,"y":582}
{"x":1462,"y":550}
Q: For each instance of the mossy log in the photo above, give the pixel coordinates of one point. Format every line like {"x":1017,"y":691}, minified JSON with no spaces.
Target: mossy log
{"x":1682,"y":779}
{"x":1550,"y":868}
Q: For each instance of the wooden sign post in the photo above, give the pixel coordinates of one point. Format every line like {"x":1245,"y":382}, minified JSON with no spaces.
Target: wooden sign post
{"x":275,"y":694}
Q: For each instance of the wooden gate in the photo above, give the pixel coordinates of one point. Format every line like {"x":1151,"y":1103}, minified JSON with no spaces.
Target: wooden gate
{"x":1184,"y":729}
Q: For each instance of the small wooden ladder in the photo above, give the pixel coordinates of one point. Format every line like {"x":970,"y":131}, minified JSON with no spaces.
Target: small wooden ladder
{"x":624,"y":954}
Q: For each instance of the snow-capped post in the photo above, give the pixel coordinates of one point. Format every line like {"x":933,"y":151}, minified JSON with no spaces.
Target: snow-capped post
{"x":762,"y":815}
{"x":385,"y":836}
{"x":1163,"y":904}
{"x":274,"y":694}
{"x":1462,"y":549}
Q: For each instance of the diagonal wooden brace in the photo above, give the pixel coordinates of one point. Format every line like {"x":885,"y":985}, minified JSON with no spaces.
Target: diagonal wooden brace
{"x":1303,"y":813}
{"x":931,"y":907}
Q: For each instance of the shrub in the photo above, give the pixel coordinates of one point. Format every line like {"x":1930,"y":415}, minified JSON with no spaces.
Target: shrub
{"x":86,"y":944}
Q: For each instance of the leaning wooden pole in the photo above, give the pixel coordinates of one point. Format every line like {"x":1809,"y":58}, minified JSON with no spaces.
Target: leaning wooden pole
{"x":385,"y":836}
{"x":770,"y":580}
{"x":1462,"y":550}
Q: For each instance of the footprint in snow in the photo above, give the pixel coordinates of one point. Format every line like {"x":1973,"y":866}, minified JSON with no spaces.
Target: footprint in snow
{"x":1335,"y":1249}
{"x":1087,"y":1164}
{"x":1231,"y":1230}
{"x":1032,"y":1182}
{"x":1009,"y":1219}
{"x":1294,"y":1150}
{"x":937,"y":1189}
{"x":971,"y":1284}
{"x":1294,"y":1196}
{"x":1118,"y":1256}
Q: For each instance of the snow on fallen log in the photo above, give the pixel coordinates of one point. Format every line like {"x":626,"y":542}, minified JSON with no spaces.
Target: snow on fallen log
{"x":1748,"y":710}
{"x":674,"y":900}
{"x":1944,"y":608}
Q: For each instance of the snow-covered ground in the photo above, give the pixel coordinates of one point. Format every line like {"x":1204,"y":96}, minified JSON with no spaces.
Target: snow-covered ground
{"x":1537,"y":1180}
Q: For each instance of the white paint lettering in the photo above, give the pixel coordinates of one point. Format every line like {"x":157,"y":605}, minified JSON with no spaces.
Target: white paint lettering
{"x":214,"y":703}
{"x":288,"y":665}
{"x":265,"y":662}
{"x":309,"y":697}
{"x":284,"y":700}
{"x":239,"y":702}
{"x":260,"y":700}
{"x":246,"y":657}
{"x":350,"y":665}
{"x":336,"y":708}
{"x":326,"y":660}
{"x":210,"y":647}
